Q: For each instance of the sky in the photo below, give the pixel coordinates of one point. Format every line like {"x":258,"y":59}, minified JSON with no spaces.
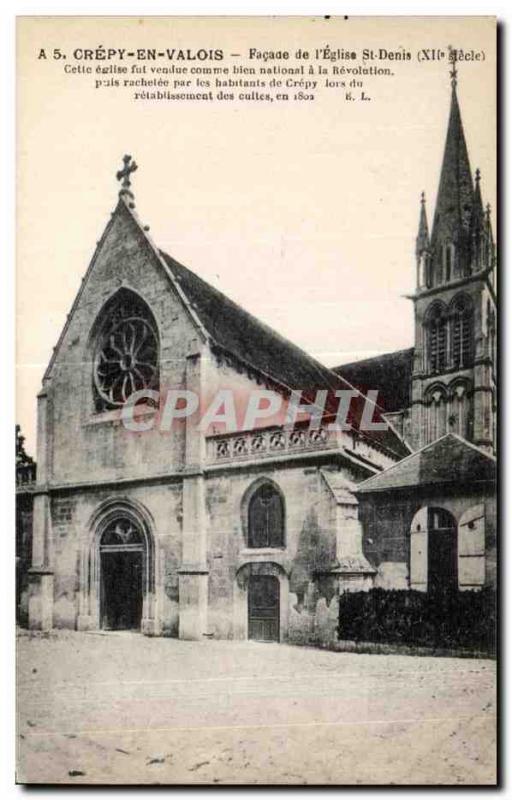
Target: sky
{"x":304,"y":213}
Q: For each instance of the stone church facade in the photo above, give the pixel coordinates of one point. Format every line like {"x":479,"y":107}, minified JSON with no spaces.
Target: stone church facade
{"x":254,"y":533}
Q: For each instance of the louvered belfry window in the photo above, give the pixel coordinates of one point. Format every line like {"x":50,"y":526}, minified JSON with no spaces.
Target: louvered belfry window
{"x":462,"y":333}
{"x":266,"y":518}
{"x":436,"y":341}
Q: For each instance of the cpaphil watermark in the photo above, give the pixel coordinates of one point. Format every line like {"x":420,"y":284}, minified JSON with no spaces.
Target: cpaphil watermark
{"x":236,"y":410}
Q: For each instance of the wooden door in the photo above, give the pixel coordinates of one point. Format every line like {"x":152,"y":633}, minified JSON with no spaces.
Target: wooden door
{"x":264,"y":608}
{"x":121,"y":590}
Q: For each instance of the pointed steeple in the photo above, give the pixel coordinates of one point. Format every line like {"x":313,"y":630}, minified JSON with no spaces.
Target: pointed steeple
{"x":423,"y":262}
{"x":454,"y":204}
{"x":422,"y":239}
{"x":488,"y":238}
{"x":477,"y":227}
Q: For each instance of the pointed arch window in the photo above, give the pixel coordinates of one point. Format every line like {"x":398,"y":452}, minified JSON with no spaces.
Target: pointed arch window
{"x":266,"y":518}
{"x":126,"y":352}
{"x":462,"y":332}
{"x":436,"y":335}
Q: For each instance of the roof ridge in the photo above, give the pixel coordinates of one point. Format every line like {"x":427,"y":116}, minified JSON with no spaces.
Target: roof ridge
{"x":373,"y":358}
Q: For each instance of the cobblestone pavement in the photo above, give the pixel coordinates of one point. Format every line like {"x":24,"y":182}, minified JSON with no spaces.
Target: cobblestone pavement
{"x":120,"y":707}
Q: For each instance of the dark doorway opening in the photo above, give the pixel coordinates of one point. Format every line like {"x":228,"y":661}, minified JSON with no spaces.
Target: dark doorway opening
{"x":264,"y":608}
{"x":121,"y":590}
{"x":442,"y":551}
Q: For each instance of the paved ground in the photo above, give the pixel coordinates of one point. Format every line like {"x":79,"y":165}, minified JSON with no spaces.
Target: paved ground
{"x":103,"y":708}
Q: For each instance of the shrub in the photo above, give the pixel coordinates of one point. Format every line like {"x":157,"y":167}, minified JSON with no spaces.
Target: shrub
{"x":441,"y":619}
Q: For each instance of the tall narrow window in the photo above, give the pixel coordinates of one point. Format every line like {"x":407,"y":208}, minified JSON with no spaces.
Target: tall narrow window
{"x":448,"y":261}
{"x":436,"y":339}
{"x":491,"y":335}
{"x":126,"y":351}
{"x":436,"y":415}
{"x":462,"y":332}
{"x":460,"y":410}
{"x":427,"y":270}
{"x":266,"y":518}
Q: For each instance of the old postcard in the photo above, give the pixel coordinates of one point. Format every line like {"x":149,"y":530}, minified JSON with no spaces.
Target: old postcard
{"x":256,"y":400}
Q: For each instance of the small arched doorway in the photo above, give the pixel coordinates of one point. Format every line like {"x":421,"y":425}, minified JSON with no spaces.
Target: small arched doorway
{"x":122,"y":557}
{"x":263,"y":608}
{"x":442,"y":550}
{"x":261,"y":599}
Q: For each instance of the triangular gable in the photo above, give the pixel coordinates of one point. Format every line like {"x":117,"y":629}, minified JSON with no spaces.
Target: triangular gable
{"x":123,"y":208}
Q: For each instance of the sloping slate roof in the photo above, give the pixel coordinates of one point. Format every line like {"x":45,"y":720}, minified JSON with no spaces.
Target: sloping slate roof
{"x":237,"y":331}
{"x":450,"y":459}
{"x":255,"y":344}
{"x":389,"y":373}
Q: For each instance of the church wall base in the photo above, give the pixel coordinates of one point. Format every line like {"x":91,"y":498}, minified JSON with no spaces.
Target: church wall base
{"x":40,"y":603}
{"x":193,"y":599}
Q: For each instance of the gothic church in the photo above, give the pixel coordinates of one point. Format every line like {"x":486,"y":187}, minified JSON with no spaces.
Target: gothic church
{"x":255,"y":534}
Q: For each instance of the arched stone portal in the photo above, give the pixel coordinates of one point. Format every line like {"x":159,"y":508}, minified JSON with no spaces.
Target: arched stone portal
{"x":117,"y":570}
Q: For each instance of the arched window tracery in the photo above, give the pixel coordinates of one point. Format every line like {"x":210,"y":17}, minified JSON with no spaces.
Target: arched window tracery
{"x":122,"y":532}
{"x":266,"y":518}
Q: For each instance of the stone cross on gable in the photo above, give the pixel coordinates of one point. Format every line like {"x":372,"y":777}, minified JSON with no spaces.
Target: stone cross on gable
{"x":124,"y":175}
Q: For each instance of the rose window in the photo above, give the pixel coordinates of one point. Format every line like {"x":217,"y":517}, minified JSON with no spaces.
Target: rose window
{"x":126,"y":359}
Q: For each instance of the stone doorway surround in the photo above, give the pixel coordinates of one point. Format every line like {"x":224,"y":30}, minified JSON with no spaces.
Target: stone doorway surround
{"x":90,"y":564}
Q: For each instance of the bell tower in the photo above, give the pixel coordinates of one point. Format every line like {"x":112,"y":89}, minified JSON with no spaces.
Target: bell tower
{"x":454,"y":374}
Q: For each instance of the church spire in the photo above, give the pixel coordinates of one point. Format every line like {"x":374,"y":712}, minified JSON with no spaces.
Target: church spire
{"x":455,"y":196}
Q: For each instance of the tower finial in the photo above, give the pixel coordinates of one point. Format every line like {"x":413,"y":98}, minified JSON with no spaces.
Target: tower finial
{"x":453,"y":72}
{"x":422,"y":239}
{"x":453,"y":76}
{"x":477,"y":176}
{"x":124,"y":176}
